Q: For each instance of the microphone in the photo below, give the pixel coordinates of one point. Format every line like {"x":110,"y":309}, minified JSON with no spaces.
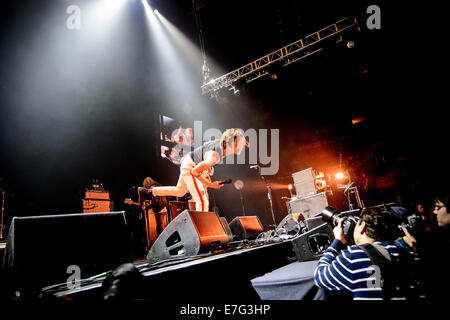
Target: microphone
{"x":254,"y":167}
{"x":225,"y":181}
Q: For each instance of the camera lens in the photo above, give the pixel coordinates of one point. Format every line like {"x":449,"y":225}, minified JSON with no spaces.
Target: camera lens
{"x":329,"y":215}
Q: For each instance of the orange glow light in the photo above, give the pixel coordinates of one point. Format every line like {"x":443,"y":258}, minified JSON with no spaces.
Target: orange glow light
{"x":339,"y":176}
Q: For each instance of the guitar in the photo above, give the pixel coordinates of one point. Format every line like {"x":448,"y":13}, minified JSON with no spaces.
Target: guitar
{"x":144,"y":206}
{"x":129,"y":201}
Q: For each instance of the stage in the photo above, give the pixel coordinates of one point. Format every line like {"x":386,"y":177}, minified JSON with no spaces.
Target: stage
{"x":209,"y":277}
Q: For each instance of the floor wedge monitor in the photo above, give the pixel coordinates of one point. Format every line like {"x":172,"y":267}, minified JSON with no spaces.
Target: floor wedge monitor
{"x":190,"y":233}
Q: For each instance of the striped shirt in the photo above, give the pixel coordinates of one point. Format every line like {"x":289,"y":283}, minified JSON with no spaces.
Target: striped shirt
{"x":350,"y":269}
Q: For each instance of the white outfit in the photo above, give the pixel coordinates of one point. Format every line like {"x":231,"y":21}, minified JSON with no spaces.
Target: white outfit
{"x":187,"y":182}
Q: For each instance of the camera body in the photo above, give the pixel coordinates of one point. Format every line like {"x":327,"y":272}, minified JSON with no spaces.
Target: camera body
{"x":332,"y":216}
{"x":411,"y":221}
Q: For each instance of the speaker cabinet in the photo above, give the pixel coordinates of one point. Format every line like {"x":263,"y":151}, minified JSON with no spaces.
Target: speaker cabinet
{"x":248,"y":227}
{"x":40,"y":249}
{"x":227,"y":229}
{"x":97,"y":206}
{"x":314,"y":222}
{"x":176,"y":207}
{"x":308,"y":206}
{"x":190,"y":233}
{"x":312,"y":244}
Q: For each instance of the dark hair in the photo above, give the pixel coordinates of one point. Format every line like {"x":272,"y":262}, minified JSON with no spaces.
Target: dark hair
{"x":442,"y":197}
{"x":380,"y":224}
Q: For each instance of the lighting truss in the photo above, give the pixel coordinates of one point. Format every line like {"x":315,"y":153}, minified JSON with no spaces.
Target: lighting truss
{"x":289,"y":54}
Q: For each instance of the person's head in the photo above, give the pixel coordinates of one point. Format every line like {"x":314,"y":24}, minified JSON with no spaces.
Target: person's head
{"x":148,"y":182}
{"x":441,"y":210}
{"x":420,"y":208}
{"x":374,"y":225}
{"x":233,"y":141}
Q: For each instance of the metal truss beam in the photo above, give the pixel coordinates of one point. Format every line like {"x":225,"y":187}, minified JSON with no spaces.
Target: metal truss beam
{"x":289,"y":54}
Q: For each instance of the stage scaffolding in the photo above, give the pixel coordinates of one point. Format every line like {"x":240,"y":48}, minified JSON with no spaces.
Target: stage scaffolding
{"x":286,"y":55}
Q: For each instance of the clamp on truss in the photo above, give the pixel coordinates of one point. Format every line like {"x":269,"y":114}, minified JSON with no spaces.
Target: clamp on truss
{"x":286,"y":55}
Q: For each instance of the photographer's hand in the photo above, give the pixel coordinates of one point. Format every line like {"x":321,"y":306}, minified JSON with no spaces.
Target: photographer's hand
{"x":339,"y":233}
{"x":409,"y":239}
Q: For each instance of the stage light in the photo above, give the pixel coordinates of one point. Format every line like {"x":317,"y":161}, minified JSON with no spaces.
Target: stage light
{"x":238,"y":184}
{"x":235,"y":91}
{"x":290,"y":187}
{"x":339,"y":176}
{"x":350,"y":44}
{"x":156,"y":11}
{"x":342,"y":179}
{"x":320,"y":184}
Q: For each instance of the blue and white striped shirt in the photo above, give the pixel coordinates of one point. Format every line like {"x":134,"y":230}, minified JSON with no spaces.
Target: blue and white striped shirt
{"x":351,"y":270}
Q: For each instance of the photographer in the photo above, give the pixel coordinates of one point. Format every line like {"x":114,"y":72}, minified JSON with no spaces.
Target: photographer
{"x":435,"y":251}
{"x":351,"y":270}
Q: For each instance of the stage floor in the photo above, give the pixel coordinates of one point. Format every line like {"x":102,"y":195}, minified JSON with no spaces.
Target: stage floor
{"x":212,"y":275}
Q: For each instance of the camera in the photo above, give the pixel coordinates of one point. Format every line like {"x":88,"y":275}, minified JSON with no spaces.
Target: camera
{"x":332,"y":216}
{"x":411,"y":221}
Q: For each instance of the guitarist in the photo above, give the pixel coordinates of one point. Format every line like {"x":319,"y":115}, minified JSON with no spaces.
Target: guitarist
{"x":203,"y":158}
{"x":154,"y":211}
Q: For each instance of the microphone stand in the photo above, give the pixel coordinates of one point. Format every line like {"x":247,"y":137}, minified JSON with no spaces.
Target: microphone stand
{"x":269,"y":196}
{"x":242,"y":202}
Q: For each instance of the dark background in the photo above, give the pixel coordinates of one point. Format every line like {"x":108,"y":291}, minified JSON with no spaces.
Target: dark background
{"x":76,"y":105}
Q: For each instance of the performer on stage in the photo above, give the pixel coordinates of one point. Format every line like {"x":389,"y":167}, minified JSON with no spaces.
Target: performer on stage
{"x":196,"y":162}
{"x":158,"y":205}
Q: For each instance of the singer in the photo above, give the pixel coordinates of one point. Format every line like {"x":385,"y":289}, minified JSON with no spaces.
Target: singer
{"x":200,"y":160}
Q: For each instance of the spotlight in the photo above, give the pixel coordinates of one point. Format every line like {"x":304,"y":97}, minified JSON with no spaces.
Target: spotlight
{"x":156,"y":11}
{"x":320,"y":184}
{"x":350,"y":44}
{"x":339,"y":176}
{"x":290,"y":187}
{"x":239,"y":184}
{"x":342,"y":179}
{"x":235,"y":91}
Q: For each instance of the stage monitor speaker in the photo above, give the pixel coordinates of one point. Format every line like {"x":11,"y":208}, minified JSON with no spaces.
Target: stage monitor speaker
{"x":190,"y":233}
{"x":247,"y":227}
{"x":312,"y":244}
{"x":314,"y":222}
{"x":226,"y":227}
{"x":40,"y":249}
